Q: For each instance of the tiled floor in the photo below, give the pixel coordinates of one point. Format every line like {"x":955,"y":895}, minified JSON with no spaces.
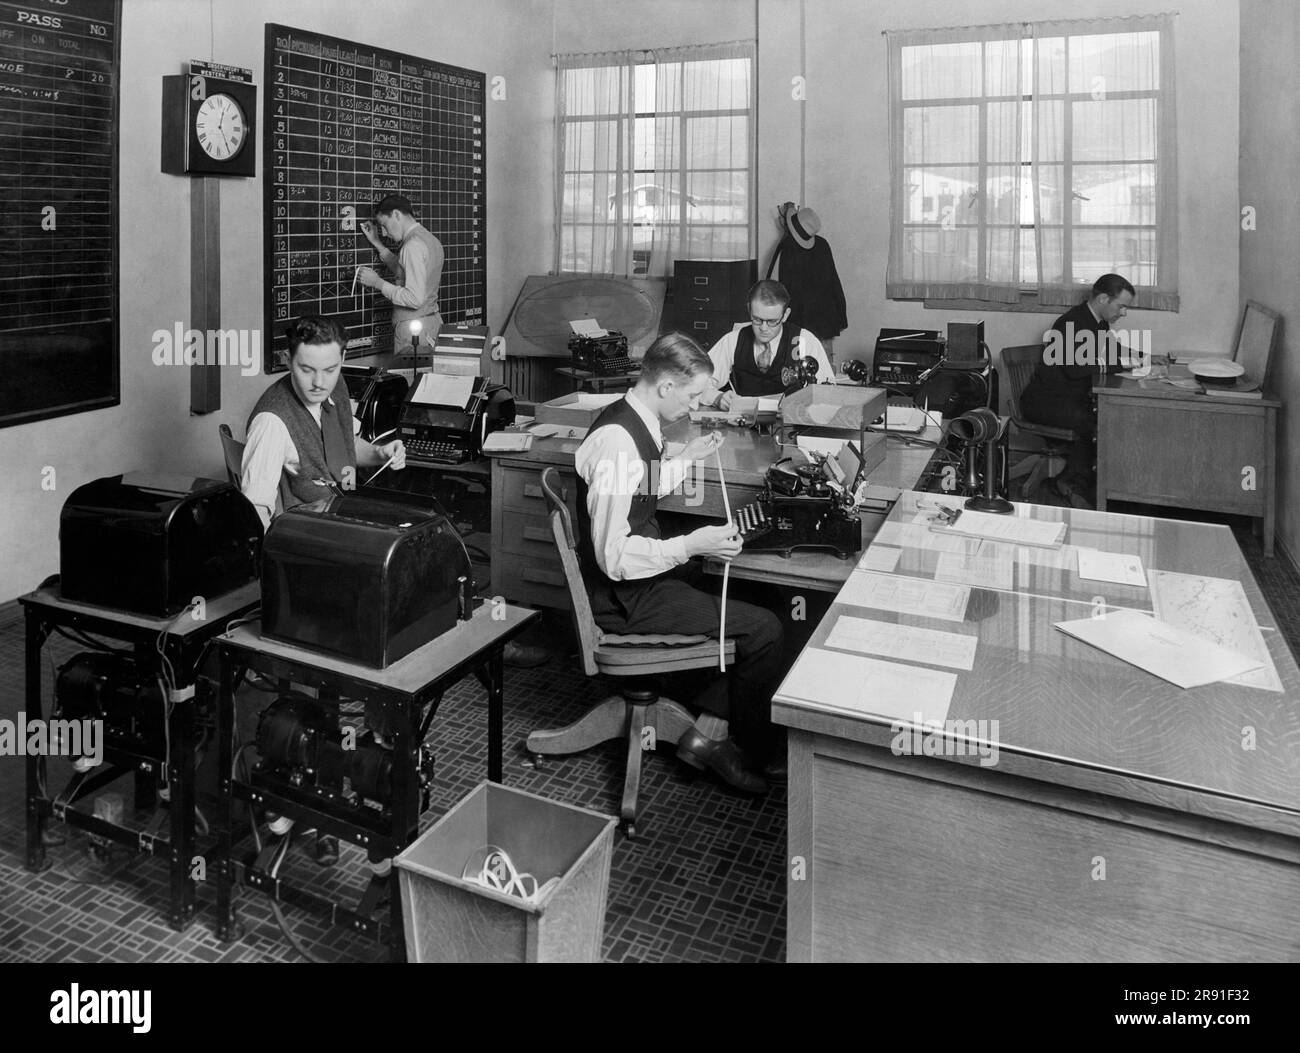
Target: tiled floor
{"x":705,"y":881}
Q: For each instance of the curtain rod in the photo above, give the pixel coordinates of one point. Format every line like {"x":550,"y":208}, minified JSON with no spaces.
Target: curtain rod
{"x":1052,"y":21}
{"x":645,"y":52}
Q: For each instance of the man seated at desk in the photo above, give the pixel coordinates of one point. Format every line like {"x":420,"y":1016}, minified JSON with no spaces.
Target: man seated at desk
{"x":302,"y":438}
{"x":763,"y":358}
{"x":642,"y":582}
{"x":1079,"y":349}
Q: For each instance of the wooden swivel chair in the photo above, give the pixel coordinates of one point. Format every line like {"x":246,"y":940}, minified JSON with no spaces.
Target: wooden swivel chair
{"x":1018,"y":364}
{"x":637,"y":714}
{"x":233,"y":451}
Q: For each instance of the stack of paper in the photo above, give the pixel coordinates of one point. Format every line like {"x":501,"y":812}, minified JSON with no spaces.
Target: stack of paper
{"x":1015,"y":530}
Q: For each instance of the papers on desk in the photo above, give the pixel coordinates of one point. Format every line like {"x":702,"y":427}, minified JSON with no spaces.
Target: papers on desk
{"x":1118,"y":567}
{"x":1163,"y":650}
{"x":988,"y":567}
{"x":744,"y":406}
{"x":508,"y":442}
{"x":879,"y":557}
{"x":711,"y":416}
{"x":1217,"y":610}
{"x":911,"y":643}
{"x":561,"y":431}
{"x":883,"y":592}
{"x":1015,"y":530}
{"x":440,"y":389}
{"x":868,"y":686}
{"x":917,"y":535}
{"x":902,"y":418}
{"x":820,"y":444}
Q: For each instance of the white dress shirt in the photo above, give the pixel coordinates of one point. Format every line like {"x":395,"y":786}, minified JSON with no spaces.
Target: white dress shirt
{"x":723,"y":356}
{"x":611,"y":466}
{"x":268,"y":452}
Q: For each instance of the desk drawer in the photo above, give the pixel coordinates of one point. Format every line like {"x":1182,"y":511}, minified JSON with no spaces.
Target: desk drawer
{"x":524,"y":579}
{"x":705,"y":329}
{"x":528,"y":534}
{"x":521,"y":490}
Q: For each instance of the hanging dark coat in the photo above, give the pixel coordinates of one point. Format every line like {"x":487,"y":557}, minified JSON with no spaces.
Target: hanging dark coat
{"x":816,"y":296}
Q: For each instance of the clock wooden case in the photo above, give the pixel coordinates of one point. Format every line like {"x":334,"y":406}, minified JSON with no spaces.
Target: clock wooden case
{"x":208,"y":126}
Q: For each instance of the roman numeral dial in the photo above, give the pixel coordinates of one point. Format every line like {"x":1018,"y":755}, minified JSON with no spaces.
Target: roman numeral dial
{"x":220,"y":126}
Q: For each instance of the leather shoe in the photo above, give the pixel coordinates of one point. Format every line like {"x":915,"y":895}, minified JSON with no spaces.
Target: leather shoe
{"x":521,"y":656}
{"x":722,"y":757}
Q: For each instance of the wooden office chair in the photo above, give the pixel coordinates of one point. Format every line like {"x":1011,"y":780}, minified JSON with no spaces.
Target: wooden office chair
{"x":233,"y":451}
{"x":1018,"y":364}
{"x":638,"y":706}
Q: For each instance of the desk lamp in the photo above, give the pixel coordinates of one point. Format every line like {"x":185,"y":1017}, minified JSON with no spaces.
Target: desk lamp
{"x":415,"y":350}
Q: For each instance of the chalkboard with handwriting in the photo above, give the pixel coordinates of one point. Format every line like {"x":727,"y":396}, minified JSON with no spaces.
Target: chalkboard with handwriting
{"x":345,"y":125}
{"x":59,"y":62}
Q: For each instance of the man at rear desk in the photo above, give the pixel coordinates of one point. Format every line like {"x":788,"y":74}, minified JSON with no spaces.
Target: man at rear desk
{"x":302,"y":443}
{"x":763,"y":358}
{"x":1078,"y":350}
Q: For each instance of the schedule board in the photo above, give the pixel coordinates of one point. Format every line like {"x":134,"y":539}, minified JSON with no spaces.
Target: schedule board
{"x":346,"y":124}
{"x":58,"y":207}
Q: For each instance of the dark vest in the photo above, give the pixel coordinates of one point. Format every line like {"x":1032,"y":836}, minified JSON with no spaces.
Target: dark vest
{"x":324,"y":451}
{"x":641,"y":516}
{"x":750,"y":381}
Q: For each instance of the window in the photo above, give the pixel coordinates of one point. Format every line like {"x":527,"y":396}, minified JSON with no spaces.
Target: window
{"x":655,"y":155}
{"x":1028,"y":160}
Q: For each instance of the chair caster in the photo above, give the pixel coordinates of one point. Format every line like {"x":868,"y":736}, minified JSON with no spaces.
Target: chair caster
{"x":533,"y":760}
{"x":629,"y":831}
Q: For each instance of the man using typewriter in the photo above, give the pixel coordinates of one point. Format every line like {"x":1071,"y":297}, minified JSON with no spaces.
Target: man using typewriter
{"x":642,"y":582}
{"x":763,"y":358}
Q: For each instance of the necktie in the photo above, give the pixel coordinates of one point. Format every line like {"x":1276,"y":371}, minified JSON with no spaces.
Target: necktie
{"x":765,"y":357}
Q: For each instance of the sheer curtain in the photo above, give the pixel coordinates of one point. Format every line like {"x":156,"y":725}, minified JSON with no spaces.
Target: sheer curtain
{"x":1028,"y":160}
{"x":655,"y":157}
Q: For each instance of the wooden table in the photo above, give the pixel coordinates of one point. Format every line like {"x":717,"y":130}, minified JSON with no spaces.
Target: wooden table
{"x":1124,"y":819}
{"x":406,"y":689}
{"x":526,"y":567}
{"x":1162,"y":445}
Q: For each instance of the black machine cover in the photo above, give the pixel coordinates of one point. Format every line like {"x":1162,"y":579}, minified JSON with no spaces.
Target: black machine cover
{"x":151,"y":543}
{"x":365,"y":579}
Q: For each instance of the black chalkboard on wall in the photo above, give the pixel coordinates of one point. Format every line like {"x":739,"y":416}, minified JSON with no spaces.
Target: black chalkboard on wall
{"x":344,"y":125}
{"x":59,"y":63}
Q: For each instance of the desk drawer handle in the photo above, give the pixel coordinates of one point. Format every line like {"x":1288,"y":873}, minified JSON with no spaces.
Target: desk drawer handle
{"x":701,"y":279}
{"x":700,"y":325}
{"x":701,"y":299}
{"x":532,"y":490}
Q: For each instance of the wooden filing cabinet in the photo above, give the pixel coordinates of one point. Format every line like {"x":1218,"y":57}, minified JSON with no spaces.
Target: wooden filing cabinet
{"x":525,"y":564}
{"x":707,"y":297}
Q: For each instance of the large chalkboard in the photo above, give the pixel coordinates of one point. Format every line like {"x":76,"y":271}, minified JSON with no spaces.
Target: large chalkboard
{"x":345,"y":124}
{"x":59,"y":64}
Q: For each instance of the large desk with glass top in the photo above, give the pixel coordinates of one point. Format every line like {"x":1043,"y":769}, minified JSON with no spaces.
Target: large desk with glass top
{"x":1125,"y":819}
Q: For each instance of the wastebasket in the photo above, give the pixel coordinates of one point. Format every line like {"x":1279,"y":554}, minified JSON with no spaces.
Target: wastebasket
{"x":450,"y":919}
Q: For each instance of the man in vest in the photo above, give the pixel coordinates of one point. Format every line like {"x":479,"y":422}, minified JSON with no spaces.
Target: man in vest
{"x":416,"y":268}
{"x":301,"y":434}
{"x":642,"y":582}
{"x":763,"y":357}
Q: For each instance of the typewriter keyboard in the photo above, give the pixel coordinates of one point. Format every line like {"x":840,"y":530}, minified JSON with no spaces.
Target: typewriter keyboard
{"x":439,"y":452}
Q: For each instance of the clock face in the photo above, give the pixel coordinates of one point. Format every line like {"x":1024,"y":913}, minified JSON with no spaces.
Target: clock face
{"x":220,"y":126}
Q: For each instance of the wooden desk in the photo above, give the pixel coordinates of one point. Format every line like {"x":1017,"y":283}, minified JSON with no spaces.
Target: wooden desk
{"x":183,"y":640}
{"x":598,"y":382}
{"x":1162,"y":445}
{"x":526,"y":568}
{"x":1189,"y":800}
{"x":406,"y":689}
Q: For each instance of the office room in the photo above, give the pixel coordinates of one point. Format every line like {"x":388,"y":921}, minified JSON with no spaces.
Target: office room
{"x":946,"y":734}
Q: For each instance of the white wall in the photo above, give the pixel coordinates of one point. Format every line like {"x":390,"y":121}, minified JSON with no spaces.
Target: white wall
{"x":152,"y":428}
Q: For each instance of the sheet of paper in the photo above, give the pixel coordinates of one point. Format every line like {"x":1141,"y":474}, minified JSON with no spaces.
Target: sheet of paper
{"x":912,"y":535}
{"x":1218,"y":610}
{"x":1062,"y":558}
{"x":879,"y":557}
{"x":586,"y":327}
{"x":440,"y":389}
{"x":769,"y":405}
{"x":989,"y":567}
{"x":910,"y":643}
{"x":589,"y":400}
{"x":1164,"y":650}
{"x":858,"y":685}
{"x":820,"y":444}
{"x":1118,"y":567}
{"x":1017,"y":530}
{"x":883,"y":592}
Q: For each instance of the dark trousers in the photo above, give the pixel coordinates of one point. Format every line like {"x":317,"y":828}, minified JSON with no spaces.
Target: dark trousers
{"x":675,"y":603}
{"x":1060,"y":410}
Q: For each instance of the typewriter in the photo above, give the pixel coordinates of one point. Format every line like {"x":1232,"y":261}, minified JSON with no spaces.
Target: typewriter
{"x":603,"y":356}
{"x":802,"y":507}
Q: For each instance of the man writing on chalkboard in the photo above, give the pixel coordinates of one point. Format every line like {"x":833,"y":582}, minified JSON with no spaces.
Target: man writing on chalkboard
{"x":416,"y":268}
